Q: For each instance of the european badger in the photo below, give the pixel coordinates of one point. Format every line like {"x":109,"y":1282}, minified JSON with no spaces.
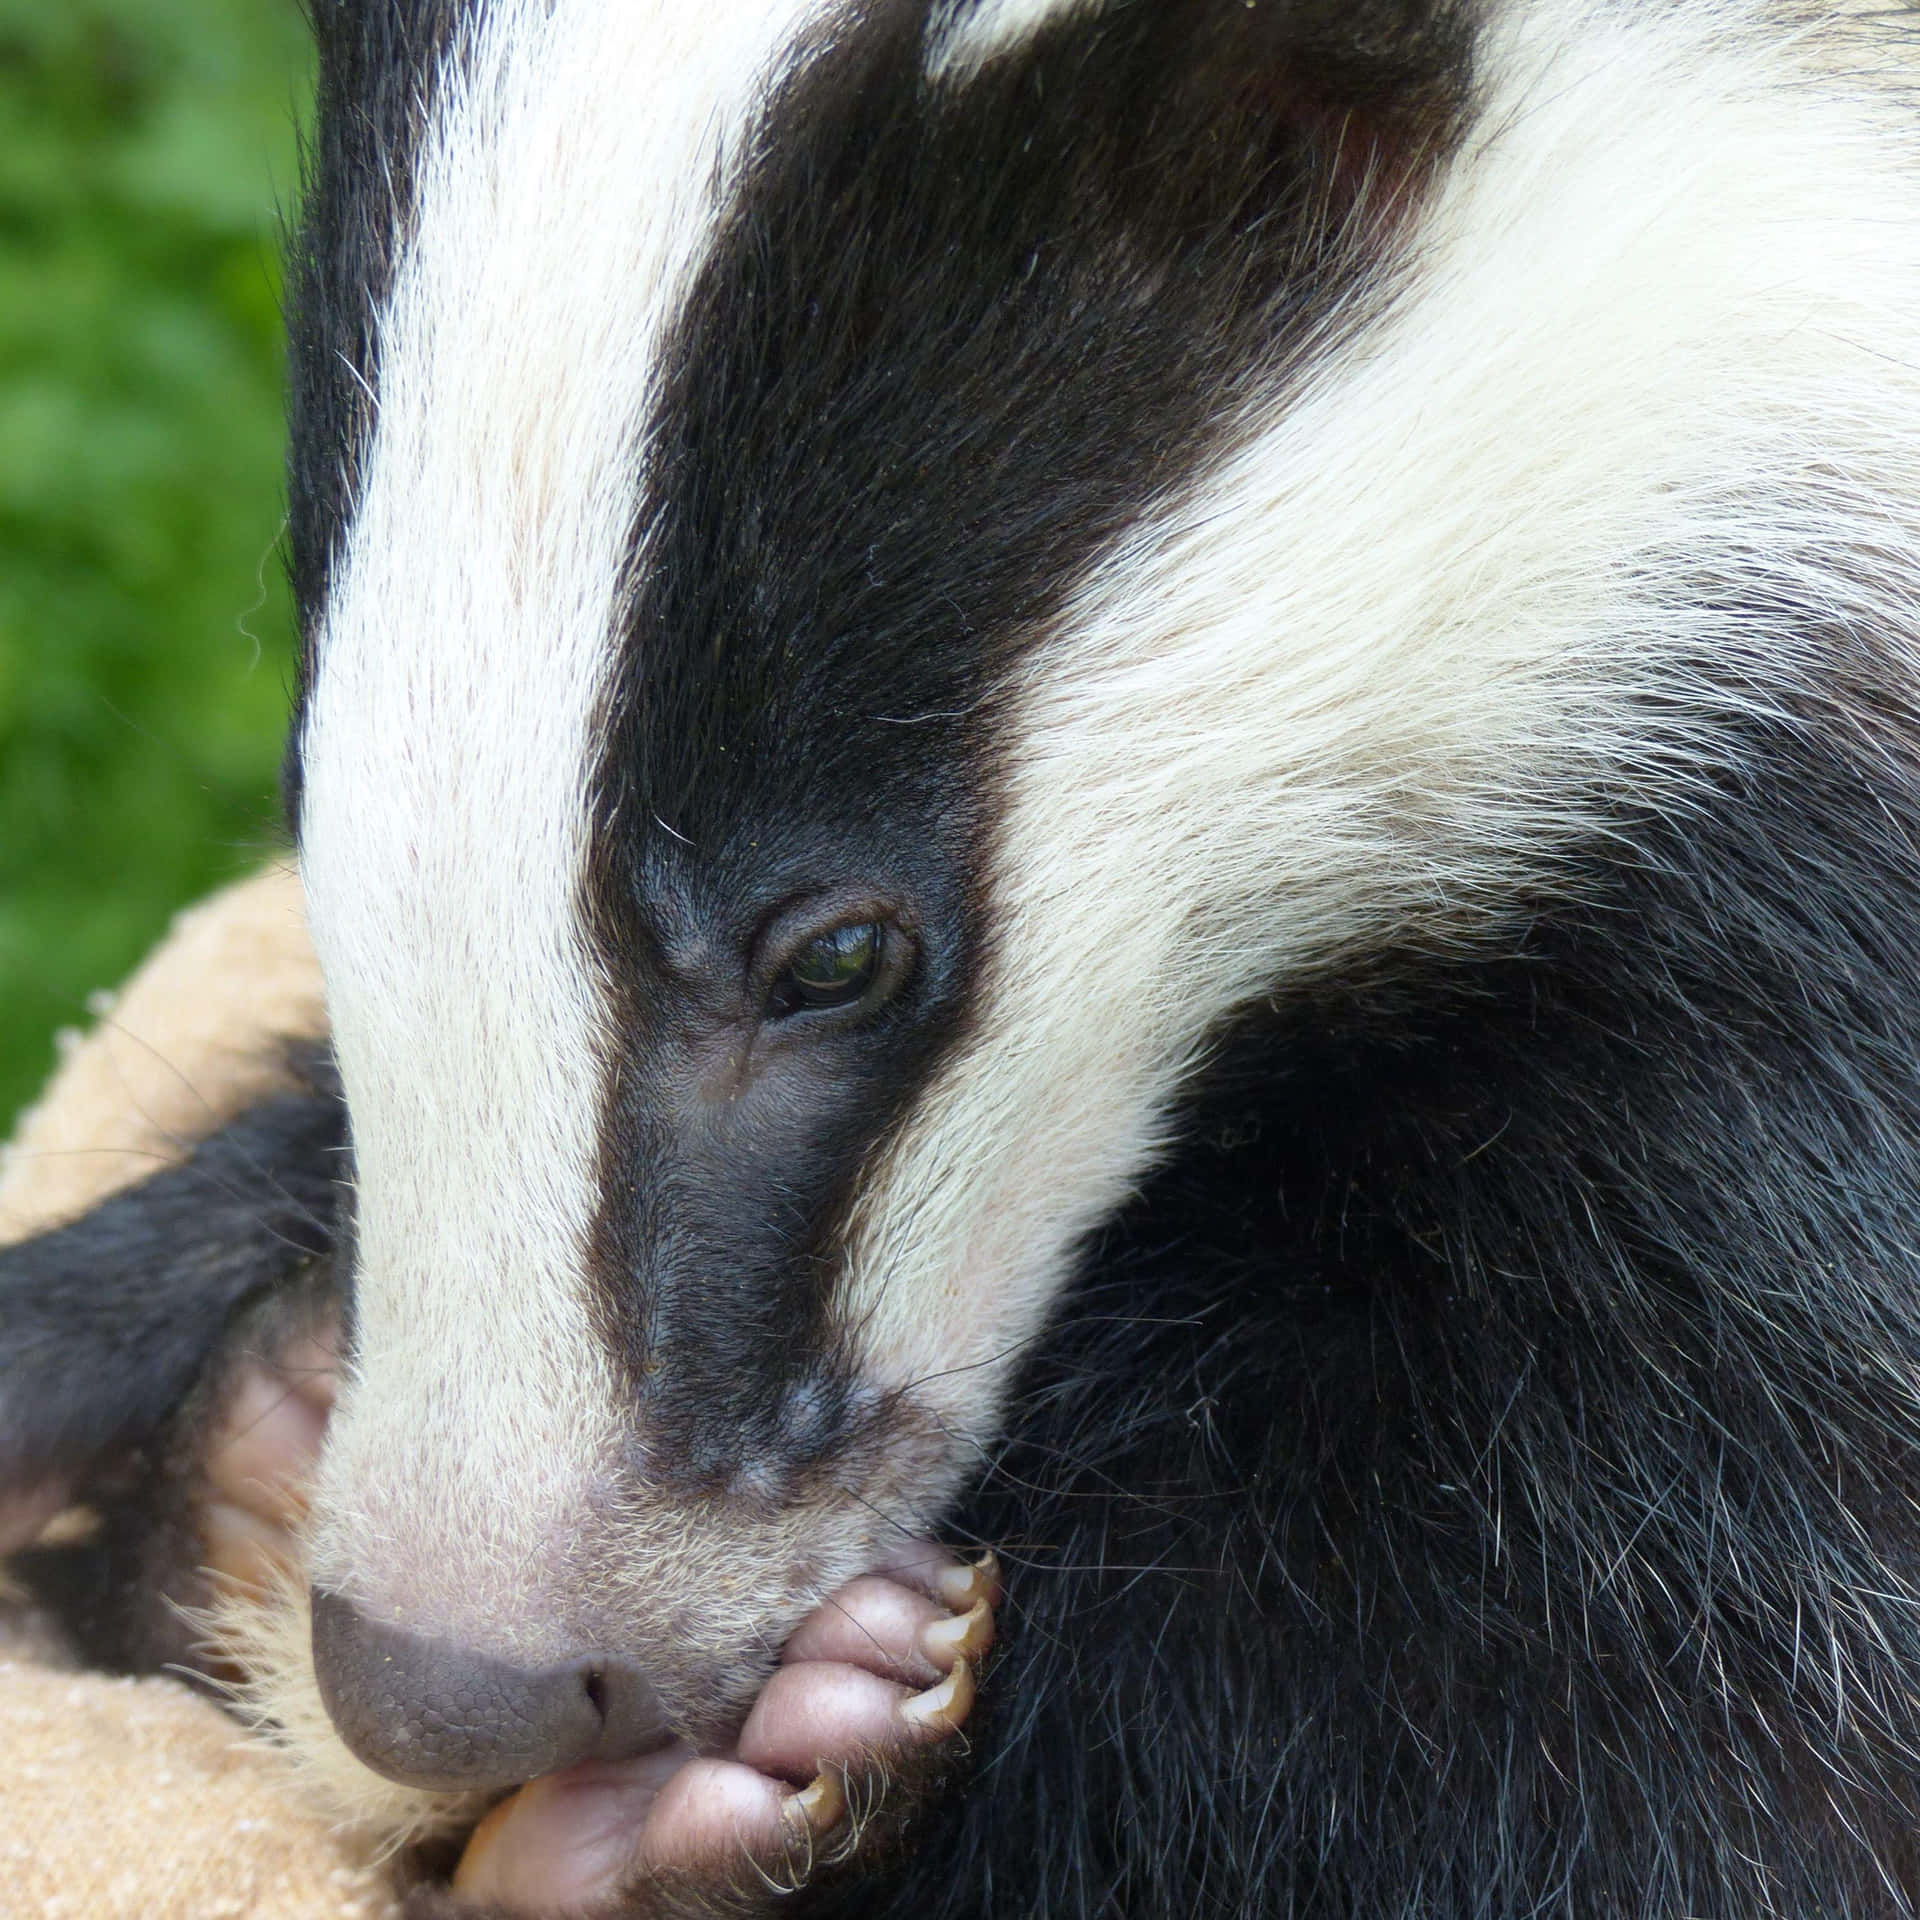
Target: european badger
{"x":1139,"y":781}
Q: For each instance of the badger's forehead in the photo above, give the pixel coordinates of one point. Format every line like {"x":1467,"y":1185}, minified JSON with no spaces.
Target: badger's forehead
{"x":702,"y":411}
{"x":805,"y":355}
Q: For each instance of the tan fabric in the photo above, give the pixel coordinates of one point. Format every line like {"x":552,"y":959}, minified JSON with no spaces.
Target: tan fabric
{"x":137,"y":1798}
{"x":192,"y":1038}
{"x":131,"y":1798}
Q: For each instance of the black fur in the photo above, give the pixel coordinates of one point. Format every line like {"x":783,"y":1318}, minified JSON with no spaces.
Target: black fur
{"x":114,"y":1333}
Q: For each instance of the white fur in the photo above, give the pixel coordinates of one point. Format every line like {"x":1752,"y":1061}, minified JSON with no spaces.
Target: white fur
{"x":973,"y":32}
{"x":565,"y":191}
{"x":1379,"y":663}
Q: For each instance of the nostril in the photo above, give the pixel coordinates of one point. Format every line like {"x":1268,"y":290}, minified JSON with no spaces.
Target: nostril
{"x":433,"y":1713}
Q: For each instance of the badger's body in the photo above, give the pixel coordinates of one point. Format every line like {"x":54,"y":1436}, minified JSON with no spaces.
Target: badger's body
{"x":1142,"y":780}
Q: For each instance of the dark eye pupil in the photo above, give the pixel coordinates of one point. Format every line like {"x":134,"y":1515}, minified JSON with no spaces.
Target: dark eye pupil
{"x":837,"y":967}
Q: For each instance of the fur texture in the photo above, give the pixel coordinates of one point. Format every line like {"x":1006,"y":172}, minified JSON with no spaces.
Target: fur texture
{"x":1433,"y":645}
{"x":1337,"y":584}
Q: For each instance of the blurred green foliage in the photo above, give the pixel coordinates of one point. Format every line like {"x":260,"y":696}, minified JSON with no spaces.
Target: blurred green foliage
{"x":146,"y":148}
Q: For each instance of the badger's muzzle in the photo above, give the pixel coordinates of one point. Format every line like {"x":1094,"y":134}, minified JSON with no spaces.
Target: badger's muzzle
{"x":431,"y":1713}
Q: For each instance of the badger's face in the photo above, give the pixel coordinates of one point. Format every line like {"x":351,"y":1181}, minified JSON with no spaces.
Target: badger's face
{"x":872,"y":573}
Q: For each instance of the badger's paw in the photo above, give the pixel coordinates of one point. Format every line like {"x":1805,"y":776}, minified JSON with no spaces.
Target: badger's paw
{"x":251,"y":1497}
{"x":864,"y":1717}
{"x":862,"y":1720}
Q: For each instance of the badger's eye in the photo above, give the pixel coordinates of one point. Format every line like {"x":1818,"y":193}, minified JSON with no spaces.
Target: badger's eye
{"x":834,"y":969}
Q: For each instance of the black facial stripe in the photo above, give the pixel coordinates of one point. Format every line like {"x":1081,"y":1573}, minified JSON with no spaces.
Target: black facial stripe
{"x":948,"y":343}
{"x":379,"y":71}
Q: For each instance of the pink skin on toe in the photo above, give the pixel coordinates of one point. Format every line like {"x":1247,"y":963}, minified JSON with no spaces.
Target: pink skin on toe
{"x":883,"y":1666}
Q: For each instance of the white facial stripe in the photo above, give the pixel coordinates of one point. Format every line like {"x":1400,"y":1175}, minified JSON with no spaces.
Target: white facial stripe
{"x":1357,"y":681}
{"x":565,"y":192}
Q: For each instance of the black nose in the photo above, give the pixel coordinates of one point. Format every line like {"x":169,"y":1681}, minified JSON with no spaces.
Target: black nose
{"x":432,"y":1713}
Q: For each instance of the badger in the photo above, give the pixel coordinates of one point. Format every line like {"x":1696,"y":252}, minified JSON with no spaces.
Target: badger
{"x":1129,"y":782}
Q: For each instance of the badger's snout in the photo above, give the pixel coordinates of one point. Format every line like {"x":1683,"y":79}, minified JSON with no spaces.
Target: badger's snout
{"x":432,"y":1713}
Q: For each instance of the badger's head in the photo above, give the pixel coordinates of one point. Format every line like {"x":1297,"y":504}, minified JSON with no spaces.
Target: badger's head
{"x":871,"y":575}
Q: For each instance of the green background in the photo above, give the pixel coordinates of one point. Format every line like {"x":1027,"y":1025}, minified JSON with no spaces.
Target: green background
{"x":147,"y":151}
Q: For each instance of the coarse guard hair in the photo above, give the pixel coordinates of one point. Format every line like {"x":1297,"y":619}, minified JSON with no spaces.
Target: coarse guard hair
{"x":1142,"y":781}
